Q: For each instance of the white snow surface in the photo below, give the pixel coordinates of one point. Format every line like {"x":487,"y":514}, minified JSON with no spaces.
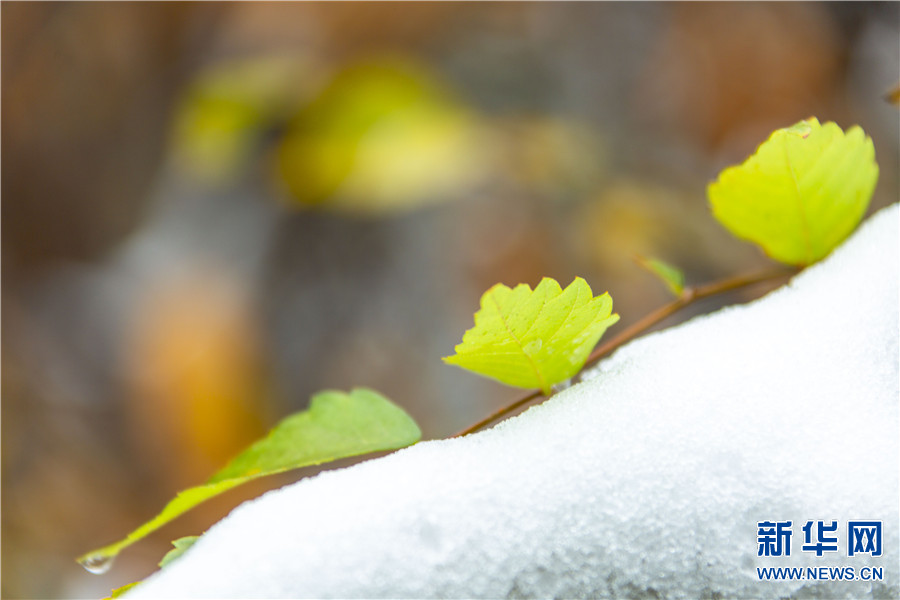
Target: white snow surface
{"x":645,"y":481}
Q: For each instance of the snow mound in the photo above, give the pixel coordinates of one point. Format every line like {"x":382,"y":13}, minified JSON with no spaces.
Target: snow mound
{"x":648,"y":480}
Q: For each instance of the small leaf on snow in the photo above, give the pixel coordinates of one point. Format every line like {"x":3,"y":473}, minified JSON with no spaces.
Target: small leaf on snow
{"x":801,"y":194}
{"x":534,"y":339}
{"x":181,"y":546}
{"x":336,"y":425}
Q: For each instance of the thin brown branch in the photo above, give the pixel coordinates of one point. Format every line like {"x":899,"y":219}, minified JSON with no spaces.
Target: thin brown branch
{"x":500,"y":413}
{"x":687,"y":297}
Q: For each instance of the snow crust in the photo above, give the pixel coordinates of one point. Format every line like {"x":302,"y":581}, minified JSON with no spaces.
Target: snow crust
{"x":646,"y":481}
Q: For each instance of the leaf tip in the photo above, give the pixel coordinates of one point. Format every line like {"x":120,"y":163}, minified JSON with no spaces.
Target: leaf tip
{"x":670,"y":276}
{"x":580,"y":282}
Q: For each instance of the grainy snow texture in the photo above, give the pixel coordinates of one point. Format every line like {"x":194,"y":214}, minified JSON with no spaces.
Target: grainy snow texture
{"x":646,"y":481}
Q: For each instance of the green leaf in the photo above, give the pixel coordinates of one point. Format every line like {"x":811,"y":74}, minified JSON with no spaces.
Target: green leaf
{"x":181,"y":546}
{"x":120,"y":591}
{"x":802,"y":193}
{"x":336,"y":425}
{"x":534,"y":339}
{"x":671,"y":276}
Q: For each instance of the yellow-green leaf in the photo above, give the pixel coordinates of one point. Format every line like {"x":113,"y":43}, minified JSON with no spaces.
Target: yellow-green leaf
{"x":227,"y":107}
{"x":336,"y":425}
{"x":385,"y":136}
{"x":801,"y":194}
{"x":534,"y":339}
{"x":671,"y":277}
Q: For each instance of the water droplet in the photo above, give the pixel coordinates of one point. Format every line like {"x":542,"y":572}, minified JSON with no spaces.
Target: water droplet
{"x":532,"y":347}
{"x":98,"y":564}
{"x":802,"y":129}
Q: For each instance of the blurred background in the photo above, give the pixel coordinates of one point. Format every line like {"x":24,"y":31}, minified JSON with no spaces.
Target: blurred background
{"x":211,"y":211}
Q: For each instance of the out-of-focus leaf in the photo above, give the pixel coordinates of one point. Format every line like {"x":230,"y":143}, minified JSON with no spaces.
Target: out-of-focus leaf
{"x":894,"y":95}
{"x":672,"y":277}
{"x":384,"y":136}
{"x":194,"y":373}
{"x":336,"y":425}
{"x":801,"y":194}
{"x":534,"y":339}
{"x":227,"y":108}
